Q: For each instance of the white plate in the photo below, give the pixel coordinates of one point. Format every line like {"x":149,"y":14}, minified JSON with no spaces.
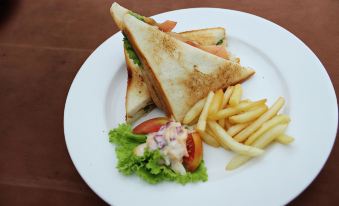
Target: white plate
{"x":284,"y":66}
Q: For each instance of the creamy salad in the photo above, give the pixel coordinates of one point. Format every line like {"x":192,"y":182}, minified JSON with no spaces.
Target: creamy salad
{"x":171,"y":142}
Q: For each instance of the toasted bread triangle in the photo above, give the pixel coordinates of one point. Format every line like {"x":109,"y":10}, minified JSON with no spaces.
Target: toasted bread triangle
{"x":177,"y":74}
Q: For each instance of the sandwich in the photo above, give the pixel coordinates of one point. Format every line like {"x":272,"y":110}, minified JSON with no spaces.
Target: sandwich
{"x":177,"y":71}
{"x":138,"y":100}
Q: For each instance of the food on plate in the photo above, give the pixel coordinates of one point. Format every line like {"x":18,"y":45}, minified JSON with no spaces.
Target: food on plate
{"x":227,"y":141}
{"x":216,"y":102}
{"x":194,"y":151}
{"x":194,"y":111}
{"x":208,"y":139}
{"x":266,"y":126}
{"x":175,"y":81}
{"x":173,"y":153}
{"x":230,"y":111}
{"x":138,"y":100}
{"x":235,"y":129}
{"x":227,"y":96}
{"x":248,"y":116}
{"x":236,"y":95}
{"x":285,"y":139}
{"x":151,"y":125}
{"x":261,"y":120}
{"x":203,"y":116}
{"x":262,"y":142}
{"x":196,"y":82}
{"x":258,"y":125}
{"x":177,"y":72}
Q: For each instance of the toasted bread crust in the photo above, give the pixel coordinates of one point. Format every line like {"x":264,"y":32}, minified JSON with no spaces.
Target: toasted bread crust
{"x":199,"y":84}
{"x":204,"y":37}
{"x":152,"y":82}
{"x":129,"y":78}
{"x":199,"y":30}
{"x":137,"y":94}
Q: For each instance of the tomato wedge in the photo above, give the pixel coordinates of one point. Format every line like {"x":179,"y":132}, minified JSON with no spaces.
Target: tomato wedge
{"x":151,"y":125}
{"x":195,"y":152}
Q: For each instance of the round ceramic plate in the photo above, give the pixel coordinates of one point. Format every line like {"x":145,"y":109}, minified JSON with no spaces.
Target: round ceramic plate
{"x":284,"y":66}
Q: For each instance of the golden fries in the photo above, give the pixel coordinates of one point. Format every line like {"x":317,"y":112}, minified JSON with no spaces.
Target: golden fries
{"x":213,"y":135}
{"x":261,"y":120}
{"x":230,"y":111}
{"x":194,"y":111}
{"x":237,"y":161}
{"x":216,"y":102}
{"x":236,"y":95}
{"x":266,"y":126}
{"x":235,"y":129}
{"x":246,"y":127}
{"x":225,"y":140}
{"x":227,"y":96}
{"x":208,"y":139}
{"x":227,"y":123}
{"x":262,"y":142}
{"x":221,"y":122}
{"x":203,"y":116}
{"x":248,"y":116}
{"x":285,"y":139}
{"x":270,"y":135}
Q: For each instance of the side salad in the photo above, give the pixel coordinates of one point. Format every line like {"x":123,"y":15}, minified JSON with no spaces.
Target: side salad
{"x":159,"y":150}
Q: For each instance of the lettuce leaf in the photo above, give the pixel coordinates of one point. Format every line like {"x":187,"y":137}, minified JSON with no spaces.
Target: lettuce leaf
{"x":138,"y":16}
{"x":146,"y":166}
{"x":131,"y":53}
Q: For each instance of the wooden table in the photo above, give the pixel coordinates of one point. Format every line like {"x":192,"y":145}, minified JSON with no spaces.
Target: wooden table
{"x":44,"y":43}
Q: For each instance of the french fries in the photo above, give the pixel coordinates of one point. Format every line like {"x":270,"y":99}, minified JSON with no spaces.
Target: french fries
{"x":230,"y":111}
{"x":261,"y":120}
{"x":285,"y":139}
{"x":203,"y":116}
{"x":216,"y":102}
{"x":261,"y":142}
{"x":248,"y":116}
{"x":243,"y":126}
{"x":227,"y":96}
{"x":266,"y":126}
{"x":221,"y":122}
{"x":227,"y":124}
{"x":228,"y":141}
{"x":235,"y":129}
{"x":212,"y":134}
{"x":208,"y":139}
{"x":236,"y":95}
{"x":194,"y":111}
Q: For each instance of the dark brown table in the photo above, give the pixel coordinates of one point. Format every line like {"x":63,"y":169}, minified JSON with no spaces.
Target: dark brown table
{"x":44,"y":43}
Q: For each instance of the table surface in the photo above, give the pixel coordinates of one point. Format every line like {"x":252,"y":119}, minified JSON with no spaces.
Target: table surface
{"x":44,"y":43}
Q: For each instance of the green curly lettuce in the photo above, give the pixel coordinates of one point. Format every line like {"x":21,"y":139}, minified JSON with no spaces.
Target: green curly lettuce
{"x":147,"y":166}
{"x":131,"y":53}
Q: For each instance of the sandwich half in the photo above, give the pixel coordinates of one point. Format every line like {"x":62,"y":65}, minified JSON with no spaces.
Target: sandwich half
{"x":176,"y":73}
{"x":138,"y":101}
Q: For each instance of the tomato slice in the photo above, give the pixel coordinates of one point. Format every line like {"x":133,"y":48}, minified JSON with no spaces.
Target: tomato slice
{"x":167,"y":26}
{"x":195,"y":152}
{"x":151,"y":125}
